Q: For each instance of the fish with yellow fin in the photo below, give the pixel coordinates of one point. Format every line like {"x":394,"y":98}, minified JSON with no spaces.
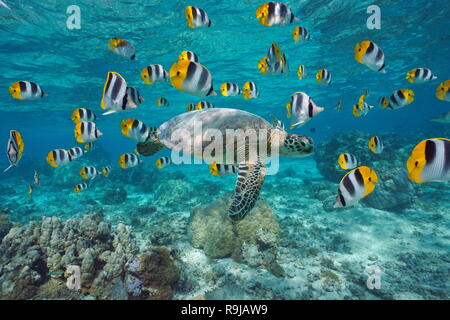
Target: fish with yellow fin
{"x":122,"y":48}
{"x":222,"y":170}
{"x":117,"y":96}
{"x":250,"y":90}
{"x":136,"y":129}
{"x":162,"y":102}
{"x":58,"y":157}
{"x":197,"y":18}
{"x":443,"y":91}
{"x":371,"y":55}
{"x":376,"y":145}
{"x":188,"y":55}
{"x":275,"y":14}
{"x":347,"y":161}
{"x":420,"y":75}
{"x":163,"y":162}
{"x":229,"y":89}
{"x":204,"y":105}
{"x":430,"y":161}
{"x":89,"y":173}
{"x":129,"y":160}
{"x":355,"y":185}
{"x":83,"y":114}
{"x":26,"y":90}
{"x":86,"y":131}
{"x":323,"y":77}
{"x":300,"y":34}
{"x":301,"y":108}
{"x":14,"y":148}
{"x":192,"y":78}
{"x":106,"y":171}
{"x":397,"y":100}
{"x":301,"y":72}
{"x":80,"y":187}
{"x":154,"y":73}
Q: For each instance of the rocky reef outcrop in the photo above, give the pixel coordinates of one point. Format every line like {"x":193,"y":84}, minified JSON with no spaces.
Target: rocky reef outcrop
{"x":252,"y":240}
{"x":150,"y":275}
{"x":33,"y":254}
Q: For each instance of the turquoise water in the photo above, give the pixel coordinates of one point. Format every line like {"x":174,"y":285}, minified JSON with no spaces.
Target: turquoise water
{"x":71,"y":67}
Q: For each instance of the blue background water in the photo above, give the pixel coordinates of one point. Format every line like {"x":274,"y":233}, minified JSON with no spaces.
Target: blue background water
{"x":71,"y":65}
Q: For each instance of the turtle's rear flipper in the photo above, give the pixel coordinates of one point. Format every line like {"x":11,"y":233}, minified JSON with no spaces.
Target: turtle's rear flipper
{"x":148,"y":149}
{"x":249,"y":182}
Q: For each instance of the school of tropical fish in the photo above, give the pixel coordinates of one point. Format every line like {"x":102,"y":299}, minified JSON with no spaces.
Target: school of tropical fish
{"x":429,"y":160}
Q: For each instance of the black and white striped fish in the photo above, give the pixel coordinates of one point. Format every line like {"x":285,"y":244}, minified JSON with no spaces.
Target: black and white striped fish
{"x":129,"y":160}
{"x":370,"y":54}
{"x":301,"y":109}
{"x":89,"y":173}
{"x":430,"y":161}
{"x":197,"y":18}
{"x":163,"y":162}
{"x":300,"y":34}
{"x":76,"y":152}
{"x":83,"y":114}
{"x":193,"y":78}
{"x":162,"y":102}
{"x":58,"y":157}
{"x":80,"y":187}
{"x":221,"y":170}
{"x":323,"y":77}
{"x":154,"y":73}
{"x":204,"y":105}
{"x":398,"y":99}
{"x":355,"y":185}
{"x":275,"y":14}
{"x":347,"y":161}
{"x":114,"y":93}
{"x":26,"y":90}
{"x":14,"y":148}
{"x":375,"y":144}
{"x":106,"y":171}
{"x":137,"y":130}
{"x":188,"y":55}
{"x":250,"y":90}
{"x":86,"y":131}
{"x":229,"y":89}
{"x":420,"y":75}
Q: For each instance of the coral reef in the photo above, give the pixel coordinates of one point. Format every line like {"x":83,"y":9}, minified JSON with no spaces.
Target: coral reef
{"x":30,"y":253}
{"x":4,"y":225}
{"x":116,"y":195}
{"x":151,"y":275}
{"x":253,"y":240}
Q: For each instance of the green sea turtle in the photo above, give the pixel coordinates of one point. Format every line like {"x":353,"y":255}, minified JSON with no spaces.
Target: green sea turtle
{"x":229,"y":136}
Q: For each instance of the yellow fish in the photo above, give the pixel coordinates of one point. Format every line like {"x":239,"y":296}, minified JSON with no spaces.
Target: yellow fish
{"x":443,"y":91}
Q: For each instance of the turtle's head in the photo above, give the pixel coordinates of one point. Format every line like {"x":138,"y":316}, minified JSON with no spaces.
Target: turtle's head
{"x":295,"y":145}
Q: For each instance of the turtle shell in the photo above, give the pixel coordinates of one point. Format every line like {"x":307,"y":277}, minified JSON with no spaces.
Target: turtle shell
{"x":215,"y":135}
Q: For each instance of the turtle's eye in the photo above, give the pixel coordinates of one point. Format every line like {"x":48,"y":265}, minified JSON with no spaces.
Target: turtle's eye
{"x":178,"y":73}
{"x":417,"y":163}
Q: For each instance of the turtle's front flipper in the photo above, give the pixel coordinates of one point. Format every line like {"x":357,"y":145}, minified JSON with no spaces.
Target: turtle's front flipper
{"x":249,"y":182}
{"x":148,"y":149}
